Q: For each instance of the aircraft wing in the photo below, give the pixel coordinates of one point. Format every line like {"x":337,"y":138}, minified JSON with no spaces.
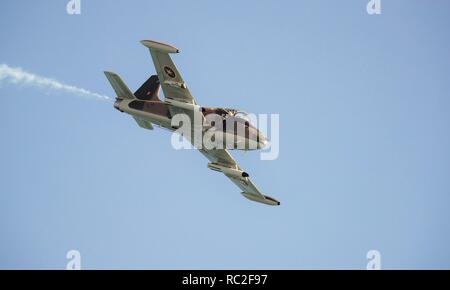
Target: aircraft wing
{"x":249,"y":190}
{"x":171,"y":81}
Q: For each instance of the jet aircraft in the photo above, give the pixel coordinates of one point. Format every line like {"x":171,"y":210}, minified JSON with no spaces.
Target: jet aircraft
{"x":146,"y":107}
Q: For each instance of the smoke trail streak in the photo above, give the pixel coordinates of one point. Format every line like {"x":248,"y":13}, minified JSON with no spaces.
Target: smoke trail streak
{"x":21,"y":77}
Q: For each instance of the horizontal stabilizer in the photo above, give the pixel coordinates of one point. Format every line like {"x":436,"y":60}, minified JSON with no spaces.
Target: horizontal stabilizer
{"x":121,"y":89}
{"x":143,"y":123}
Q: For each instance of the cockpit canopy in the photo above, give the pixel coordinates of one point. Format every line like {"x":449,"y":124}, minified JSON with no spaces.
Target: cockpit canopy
{"x":223,"y":111}
{"x":243,"y":115}
{"x":230,"y":114}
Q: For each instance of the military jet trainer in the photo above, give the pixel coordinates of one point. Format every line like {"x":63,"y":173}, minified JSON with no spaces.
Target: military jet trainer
{"x":147,"y":109}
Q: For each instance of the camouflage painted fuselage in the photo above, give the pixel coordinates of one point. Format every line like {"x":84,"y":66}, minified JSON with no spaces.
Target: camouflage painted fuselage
{"x":180,"y":108}
{"x":244,"y":136}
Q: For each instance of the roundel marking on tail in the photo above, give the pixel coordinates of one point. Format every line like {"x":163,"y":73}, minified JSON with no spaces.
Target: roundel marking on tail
{"x":169,"y":72}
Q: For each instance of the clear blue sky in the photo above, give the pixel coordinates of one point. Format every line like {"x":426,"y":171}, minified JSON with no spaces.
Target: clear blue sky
{"x":364,"y":160}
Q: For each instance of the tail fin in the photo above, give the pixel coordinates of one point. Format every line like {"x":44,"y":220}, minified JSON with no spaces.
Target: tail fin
{"x":121,"y":89}
{"x":149,"y":91}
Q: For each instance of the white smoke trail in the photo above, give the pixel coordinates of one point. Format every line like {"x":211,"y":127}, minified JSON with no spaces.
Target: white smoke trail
{"x":21,"y":77}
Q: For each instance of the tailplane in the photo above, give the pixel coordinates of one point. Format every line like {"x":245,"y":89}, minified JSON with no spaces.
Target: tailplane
{"x":121,"y":89}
